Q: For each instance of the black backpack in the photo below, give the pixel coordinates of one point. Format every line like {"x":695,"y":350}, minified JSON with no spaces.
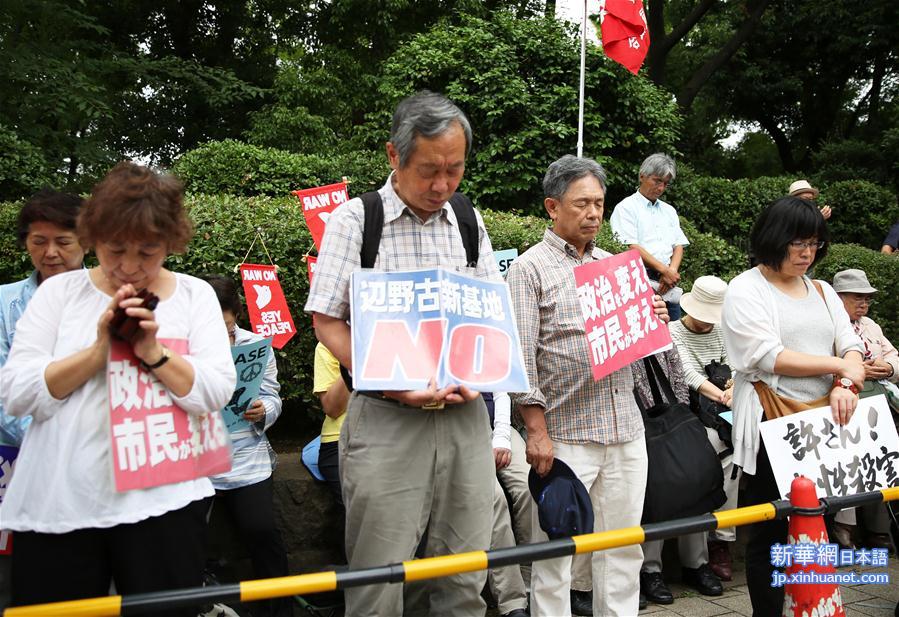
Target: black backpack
{"x":684,"y":475}
{"x":373,"y":227}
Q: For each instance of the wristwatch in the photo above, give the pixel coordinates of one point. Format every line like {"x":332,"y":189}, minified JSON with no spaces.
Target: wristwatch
{"x":166,"y":354}
{"x":845,"y":382}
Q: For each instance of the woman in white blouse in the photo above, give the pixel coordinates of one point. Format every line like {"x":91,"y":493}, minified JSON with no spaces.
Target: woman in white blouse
{"x":781,"y":331}
{"x":74,"y":532}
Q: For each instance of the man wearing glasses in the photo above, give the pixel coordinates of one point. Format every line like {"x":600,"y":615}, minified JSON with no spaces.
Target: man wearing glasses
{"x":651,"y":226}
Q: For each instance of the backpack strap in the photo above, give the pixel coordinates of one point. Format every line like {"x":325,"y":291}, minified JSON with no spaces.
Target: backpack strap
{"x":372,"y":228}
{"x":468,"y":227}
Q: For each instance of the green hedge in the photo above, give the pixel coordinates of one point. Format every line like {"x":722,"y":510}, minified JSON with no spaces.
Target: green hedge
{"x":862,"y":211}
{"x":237,"y":168}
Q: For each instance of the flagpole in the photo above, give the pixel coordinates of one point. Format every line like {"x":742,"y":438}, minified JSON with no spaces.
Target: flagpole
{"x":580,"y":113}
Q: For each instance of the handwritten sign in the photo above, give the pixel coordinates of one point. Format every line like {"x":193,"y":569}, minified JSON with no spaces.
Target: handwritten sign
{"x":411,"y":326}
{"x":8,"y":455}
{"x":318,"y":204}
{"x":250,"y":360}
{"x":266,"y":304}
{"x":859,"y":457}
{"x":154,"y":441}
{"x":620,"y":322}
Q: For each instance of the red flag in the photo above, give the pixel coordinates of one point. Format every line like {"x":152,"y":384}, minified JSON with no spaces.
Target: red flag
{"x":625,"y":34}
{"x":266,"y":304}
{"x":310,"y":267}
{"x":318,"y":203}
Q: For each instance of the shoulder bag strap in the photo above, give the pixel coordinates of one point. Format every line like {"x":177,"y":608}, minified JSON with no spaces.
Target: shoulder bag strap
{"x":468,"y":227}
{"x":372,"y":228}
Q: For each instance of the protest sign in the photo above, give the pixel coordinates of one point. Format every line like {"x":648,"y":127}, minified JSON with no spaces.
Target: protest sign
{"x":8,"y":456}
{"x":318,"y":203}
{"x":411,"y":326}
{"x":859,"y":457}
{"x":616,"y":301}
{"x":266,"y":304}
{"x":250,"y":361}
{"x":310,"y":267}
{"x":154,"y":441}
{"x":504,"y":259}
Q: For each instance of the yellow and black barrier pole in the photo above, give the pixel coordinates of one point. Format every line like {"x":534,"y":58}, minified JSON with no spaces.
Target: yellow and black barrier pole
{"x":432,"y":567}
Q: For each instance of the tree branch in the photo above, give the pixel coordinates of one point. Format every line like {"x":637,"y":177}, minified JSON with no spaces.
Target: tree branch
{"x":661,"y":43}
{"x":700,"y":77}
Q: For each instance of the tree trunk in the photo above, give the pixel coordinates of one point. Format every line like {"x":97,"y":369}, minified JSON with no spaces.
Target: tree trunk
{"x":660,"y":44}
{"x":784,"y":147}
{"x":688,"y":93}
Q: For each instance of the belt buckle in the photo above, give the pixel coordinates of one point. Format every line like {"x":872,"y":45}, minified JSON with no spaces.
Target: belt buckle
{"x":434,"y":406}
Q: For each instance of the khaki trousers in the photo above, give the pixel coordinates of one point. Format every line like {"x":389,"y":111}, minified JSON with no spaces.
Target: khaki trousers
{"x":404,"y":470}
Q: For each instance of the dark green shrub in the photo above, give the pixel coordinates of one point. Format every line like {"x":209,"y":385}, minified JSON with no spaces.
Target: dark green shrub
{"x":862,"y":212}
{"x":236,"y":168}
{"x":883,"y":273}
{"x":709,"y":254}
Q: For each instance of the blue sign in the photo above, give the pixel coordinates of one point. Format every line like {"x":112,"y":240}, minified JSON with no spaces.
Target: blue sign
{"x":504,"y":259}
{"x":250,"y":360}
{"x":8,"y":455}
{"x":409,"y":327}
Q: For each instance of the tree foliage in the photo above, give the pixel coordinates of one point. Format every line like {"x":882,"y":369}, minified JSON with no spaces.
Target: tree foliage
{"x":520,"y":91}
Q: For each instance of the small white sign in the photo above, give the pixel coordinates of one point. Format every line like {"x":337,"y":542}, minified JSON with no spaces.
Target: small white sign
{"x":504,"y":259}
{"x":859,"y":457}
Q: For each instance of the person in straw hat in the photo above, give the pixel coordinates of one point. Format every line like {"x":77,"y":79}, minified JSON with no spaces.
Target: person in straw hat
{"x":803,"y":190}
{"x":698,"y":339}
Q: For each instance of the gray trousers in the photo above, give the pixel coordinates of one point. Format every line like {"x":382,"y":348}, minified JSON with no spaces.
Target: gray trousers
{"x":404,"y":470}
{"x":508,"y":583}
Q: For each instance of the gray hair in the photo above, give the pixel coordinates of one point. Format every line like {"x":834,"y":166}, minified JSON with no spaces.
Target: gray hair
{"x":568,"y":169}
{"x":660,"y":165}
{"x":425,"y":114}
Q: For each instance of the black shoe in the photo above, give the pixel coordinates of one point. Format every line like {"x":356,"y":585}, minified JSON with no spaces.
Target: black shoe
{"x":703,"y":580}
{"x":654,"y":588}
{"x":643,"y":601}
{"x":518,"y":612}
{"x":582,"y":603}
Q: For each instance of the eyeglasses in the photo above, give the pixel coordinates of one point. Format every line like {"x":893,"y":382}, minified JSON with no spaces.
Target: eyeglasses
{"x":801,"y":245}
{"x":863,"y":300}
{"x":661,"y":182}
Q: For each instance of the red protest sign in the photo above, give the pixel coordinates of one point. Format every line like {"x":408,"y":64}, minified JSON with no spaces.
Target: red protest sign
{"x":318,"y":203}
{"x":616,"y":301}
{"x":154,"y":441}
{"x":310,"y":267}
{"x":266,"y":304}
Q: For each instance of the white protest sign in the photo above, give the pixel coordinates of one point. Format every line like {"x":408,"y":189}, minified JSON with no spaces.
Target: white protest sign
{"x":859,"y":457}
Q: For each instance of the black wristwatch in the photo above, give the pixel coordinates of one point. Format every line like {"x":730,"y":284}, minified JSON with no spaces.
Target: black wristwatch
{"x":166,"y":354}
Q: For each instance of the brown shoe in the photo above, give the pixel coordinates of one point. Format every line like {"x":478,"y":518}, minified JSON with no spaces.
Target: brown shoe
{"x":720,"y":560}
{"x":842,"y":534}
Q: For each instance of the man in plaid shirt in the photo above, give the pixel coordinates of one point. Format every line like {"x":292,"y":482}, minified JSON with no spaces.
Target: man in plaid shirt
{"x":594,"y":426}
{"x":405,"y":465}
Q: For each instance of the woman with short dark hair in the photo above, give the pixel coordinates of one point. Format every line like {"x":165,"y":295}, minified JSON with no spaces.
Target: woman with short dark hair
{"x":780,"y":331}
{"x":75,"y":532}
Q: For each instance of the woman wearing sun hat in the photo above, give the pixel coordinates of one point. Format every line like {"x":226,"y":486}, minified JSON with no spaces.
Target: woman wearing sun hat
{"x":699,"y":342}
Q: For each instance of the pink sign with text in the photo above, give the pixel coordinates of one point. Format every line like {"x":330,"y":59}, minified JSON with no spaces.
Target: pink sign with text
{"x":620,"y":323}
{"x":155,"y":442}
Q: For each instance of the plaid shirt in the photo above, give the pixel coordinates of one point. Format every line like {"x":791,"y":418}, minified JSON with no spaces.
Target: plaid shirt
{"x":407,"y":243}
{"x":551,"y":326}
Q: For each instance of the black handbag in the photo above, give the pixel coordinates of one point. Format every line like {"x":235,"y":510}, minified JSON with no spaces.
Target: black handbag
{"x":684,"y":475}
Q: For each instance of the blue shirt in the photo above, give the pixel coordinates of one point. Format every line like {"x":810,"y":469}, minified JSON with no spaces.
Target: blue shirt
{"x":14,"y":297}
{"x":654,"y":226}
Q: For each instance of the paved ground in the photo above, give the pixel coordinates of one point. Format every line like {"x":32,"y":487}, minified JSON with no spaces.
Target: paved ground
{"x":858,"y":600}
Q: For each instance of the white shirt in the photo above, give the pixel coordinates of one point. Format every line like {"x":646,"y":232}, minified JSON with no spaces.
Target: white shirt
{"x":63,"y":478}
{"x":751,"y":327}
{"x":654,"y":226}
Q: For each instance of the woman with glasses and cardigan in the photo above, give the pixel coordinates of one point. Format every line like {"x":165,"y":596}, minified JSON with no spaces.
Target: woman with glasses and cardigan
{"x":787,"y":337}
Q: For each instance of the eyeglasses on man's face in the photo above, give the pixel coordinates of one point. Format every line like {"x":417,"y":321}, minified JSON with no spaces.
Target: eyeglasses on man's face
{"x":861,"y":299}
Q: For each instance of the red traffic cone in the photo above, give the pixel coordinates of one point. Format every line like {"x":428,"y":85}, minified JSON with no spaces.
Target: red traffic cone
{"x":806,"y":599}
